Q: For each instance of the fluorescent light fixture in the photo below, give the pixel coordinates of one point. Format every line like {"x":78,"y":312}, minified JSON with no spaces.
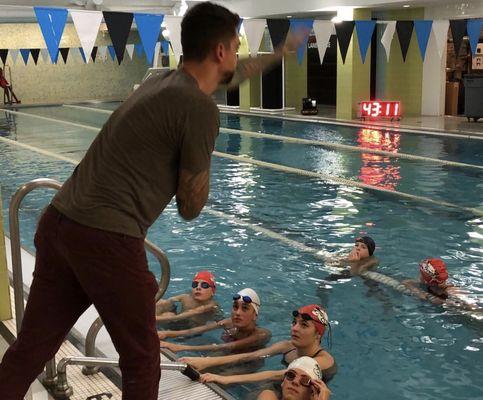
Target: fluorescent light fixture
{"x":336,"y":19}
{"x":406,"y":6}
{"x":289,"y":16}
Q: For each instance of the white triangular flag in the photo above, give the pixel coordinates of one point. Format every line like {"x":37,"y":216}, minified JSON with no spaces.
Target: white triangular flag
{"x":173,"y":25}
{"x":102,"y":53}
{"x":87,"y":26}
{"x":45,"y":55}
{"x":440,"y":32}
{"x":323,"y":31}
{"x":14,"y":55}
{"x":130,"y":50}
{"x":254,"y":29}
{"x":387,"y":37}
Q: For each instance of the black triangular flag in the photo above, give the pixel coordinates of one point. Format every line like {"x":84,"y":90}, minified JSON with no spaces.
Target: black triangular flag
{"x":119,"y":26}
{"x":94,"y":53}
{"x":35,"y":55}
{"x":344,"y":31}
{"x":3,"y":55}
{"x":404,"y":32}
{"x":64,"y":52}
{"x":458,"y":30}
{"x":278,"y":29}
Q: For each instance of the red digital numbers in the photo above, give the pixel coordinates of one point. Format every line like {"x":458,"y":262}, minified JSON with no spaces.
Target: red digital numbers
{"x":376,"y":109}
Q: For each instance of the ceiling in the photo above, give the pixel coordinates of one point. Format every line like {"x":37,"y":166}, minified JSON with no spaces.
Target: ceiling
{"x":21,"y":10}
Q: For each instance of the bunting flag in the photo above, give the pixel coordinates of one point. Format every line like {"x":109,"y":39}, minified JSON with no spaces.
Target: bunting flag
{"x":94,"y":54}
{"x":474,"y":28}
{"x":87,"y":26}
{"x":35,"y":55}
{"x":440,"y":32}
{"x":52,"y":22}
{"x":344,"y":31}
{"x":119,"y":26}
{"x":165,"y":47}
{"x":173,"y":25}
{"x":149,"y":26}
{"x":139,"y":49}
{"x":404,"y":31}
{"x":102,"y":51}
{"x":112,"y":52}
{"x":254,"y":29}
{"x":25,"y":55}
{"x":458,"y":30}
{"x":130,"y":50}
{"x":157,"y":51}
{"x":387,"y":37}
{"x":45,"y":55}
{"x":303,"y":26}
{"x":278,"y":29}
{"x":423,"y":30}
{"x":14,"y":55}
{"x":64,"y":52}
{"x":3,"y":55}
{"x":365,"y":30}
{"x":323,"y":31}
{"x":83,"y":55}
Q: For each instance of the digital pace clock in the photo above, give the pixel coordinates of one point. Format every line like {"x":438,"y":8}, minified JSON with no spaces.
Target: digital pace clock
{"x":380,"y":109}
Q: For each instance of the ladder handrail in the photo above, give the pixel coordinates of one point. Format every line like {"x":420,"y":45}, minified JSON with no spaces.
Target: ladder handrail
{"x":15,"y":246}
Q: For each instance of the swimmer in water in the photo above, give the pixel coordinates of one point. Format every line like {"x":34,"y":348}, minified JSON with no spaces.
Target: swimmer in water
{"x":197,"y":307}
{"x":241,"y":332}
{"x":301,"y":381}
{"x":308,"y":327}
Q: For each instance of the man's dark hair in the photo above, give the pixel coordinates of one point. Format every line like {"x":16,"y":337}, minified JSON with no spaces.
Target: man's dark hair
{"x":203,"y":27}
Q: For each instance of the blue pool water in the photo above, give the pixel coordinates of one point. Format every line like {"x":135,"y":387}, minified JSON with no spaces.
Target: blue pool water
{"x":386,"y":344}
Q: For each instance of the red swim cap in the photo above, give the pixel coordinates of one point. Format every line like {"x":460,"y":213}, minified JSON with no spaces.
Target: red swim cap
{"x":315,"y":313}
{"x":207,"y":277}
{"x":433,"y":271}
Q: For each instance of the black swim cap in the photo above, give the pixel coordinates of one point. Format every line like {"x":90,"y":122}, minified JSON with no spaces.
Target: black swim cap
{"x":371,"y":245}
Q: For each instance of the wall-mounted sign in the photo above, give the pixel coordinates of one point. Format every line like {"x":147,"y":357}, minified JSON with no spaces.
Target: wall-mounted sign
{"x":380,"y":109}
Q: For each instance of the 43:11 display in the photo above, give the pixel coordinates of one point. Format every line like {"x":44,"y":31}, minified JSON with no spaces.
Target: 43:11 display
{"x":380,"y":109}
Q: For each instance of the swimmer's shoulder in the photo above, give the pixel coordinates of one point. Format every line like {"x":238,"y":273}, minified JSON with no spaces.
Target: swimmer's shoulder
{"x":325,"y":360}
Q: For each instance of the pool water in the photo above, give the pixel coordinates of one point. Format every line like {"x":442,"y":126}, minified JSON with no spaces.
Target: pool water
{"x":385,"y":343}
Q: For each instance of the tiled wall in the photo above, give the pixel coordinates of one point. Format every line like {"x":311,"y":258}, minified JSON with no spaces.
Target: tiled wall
{"x":74,"y":81}
{"x":295,"y":80}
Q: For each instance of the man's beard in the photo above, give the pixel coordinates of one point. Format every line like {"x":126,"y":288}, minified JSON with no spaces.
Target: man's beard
{"x":227,"y":77}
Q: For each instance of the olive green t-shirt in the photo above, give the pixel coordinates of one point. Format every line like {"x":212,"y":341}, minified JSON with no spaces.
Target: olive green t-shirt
{"x":130,"y":172}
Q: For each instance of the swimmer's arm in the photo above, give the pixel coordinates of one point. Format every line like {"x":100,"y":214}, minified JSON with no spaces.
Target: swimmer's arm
{"x":188,"y":314}
{"x":196,"y":330}
{"x":365,"y":265}
{"x":243,"y":378}
{"x":235,"y":345}
{"x":192,"y":193}
{"x":202,"y":363}
{"x":416,"y":291}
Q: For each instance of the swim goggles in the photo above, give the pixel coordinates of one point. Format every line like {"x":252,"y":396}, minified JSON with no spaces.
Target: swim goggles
{"x":204,"y":285}
{"x":304,"y":380}
{"x":246,"y":299}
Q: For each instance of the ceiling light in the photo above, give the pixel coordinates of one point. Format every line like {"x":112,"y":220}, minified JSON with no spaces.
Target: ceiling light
{"x":336,"y":19}
{"x":406,"y":6}
{"x":289,"y":16}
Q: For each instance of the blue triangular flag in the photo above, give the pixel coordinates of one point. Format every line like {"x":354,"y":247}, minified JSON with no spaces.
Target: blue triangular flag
{"x":25,"y":55}
{"x":81,"y":51}
{"x":52,"y":22}
{"x":165,"y":47}
{"x":139,"y":49}
{"x":423,"y":30}
{"x":112,"y":52}
{"x":240,"y":22}
{"x":365,"y":30}
{"x":473,"y":28}
{"x":149,"y":26}
{"x":305,"y":26}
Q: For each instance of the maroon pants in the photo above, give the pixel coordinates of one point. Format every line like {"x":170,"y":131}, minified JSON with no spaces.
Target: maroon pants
{"x":77,"y":266}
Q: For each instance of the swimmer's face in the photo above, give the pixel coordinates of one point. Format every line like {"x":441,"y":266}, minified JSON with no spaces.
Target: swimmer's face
{"x":228,"y":59}
{"x":293,"y":389}
{"x":242,"y":314}
{"x":303,"y":333}
{"x":201,"y":293}
{"x":361,"y":249}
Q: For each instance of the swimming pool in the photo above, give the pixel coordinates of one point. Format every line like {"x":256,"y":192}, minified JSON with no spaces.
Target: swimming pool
{"x":386,"y":344}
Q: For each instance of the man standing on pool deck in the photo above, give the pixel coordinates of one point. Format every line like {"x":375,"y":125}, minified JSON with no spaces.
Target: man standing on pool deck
{"x":90,"y":240}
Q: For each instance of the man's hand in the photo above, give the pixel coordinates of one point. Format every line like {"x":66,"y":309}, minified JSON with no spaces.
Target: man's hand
{"x":174,"y":347}
{"x":214,"y":378}
{"x":293,"y":41}
{"x":354,"y":255}
{"x":198,"y":363}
